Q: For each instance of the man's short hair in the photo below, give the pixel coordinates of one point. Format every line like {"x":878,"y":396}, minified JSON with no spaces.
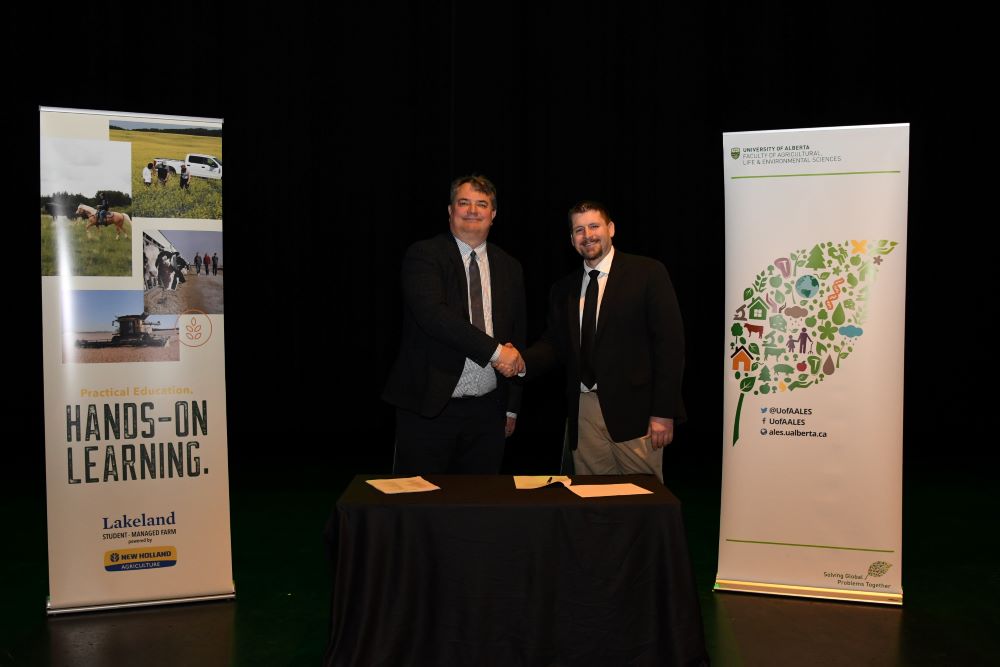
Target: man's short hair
{"x":588,"y":205}
{"x":479,"y":184}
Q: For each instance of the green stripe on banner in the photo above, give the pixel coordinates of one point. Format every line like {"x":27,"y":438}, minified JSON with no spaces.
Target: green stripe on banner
{"x":830,"y":173}
{"x":812,"y":546}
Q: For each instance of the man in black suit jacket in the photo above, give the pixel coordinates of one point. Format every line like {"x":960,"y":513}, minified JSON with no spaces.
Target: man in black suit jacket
{"x":463,"y":298}
{"x":623,"y":385}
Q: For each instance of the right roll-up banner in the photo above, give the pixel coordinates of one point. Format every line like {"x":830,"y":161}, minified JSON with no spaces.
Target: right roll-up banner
{"x":812,"y":474}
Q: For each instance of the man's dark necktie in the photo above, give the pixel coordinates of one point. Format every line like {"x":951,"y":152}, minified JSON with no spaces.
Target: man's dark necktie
{"x":476,"y":315}
{"x":588,"y":329}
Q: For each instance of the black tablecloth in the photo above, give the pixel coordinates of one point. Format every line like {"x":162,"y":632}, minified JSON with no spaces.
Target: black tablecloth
{"x":479,"y":573}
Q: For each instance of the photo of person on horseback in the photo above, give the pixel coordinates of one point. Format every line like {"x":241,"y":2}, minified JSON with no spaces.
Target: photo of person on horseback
{"x":102,"y":209}
{"x":104,"y":216}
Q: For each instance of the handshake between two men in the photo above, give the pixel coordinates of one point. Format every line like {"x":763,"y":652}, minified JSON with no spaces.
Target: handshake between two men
{"x":510,"y":362}
{"x":641,"y":330}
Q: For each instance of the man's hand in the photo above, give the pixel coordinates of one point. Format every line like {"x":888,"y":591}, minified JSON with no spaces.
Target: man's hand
{"x":661,"y":431}
{"x":510,"y":362}
{"x":509,"y":428}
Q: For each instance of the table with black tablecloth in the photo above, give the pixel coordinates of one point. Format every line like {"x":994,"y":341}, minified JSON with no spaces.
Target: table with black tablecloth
{"x":479,"y":573}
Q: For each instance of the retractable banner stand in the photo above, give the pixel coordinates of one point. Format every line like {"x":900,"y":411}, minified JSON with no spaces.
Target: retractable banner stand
{"x":814,"y":308}
{"x":134,"y":369}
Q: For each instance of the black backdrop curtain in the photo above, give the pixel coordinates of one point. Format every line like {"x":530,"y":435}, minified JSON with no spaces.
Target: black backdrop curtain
{"x":346,"y":122}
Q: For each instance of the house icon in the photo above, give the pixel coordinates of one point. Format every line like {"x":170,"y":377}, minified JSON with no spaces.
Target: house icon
{"x":758,"y":309}
{"x":742,"y":360}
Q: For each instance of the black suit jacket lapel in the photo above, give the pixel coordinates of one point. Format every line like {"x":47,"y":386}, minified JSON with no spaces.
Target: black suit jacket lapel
{"x":613,"y":286}
{"x":454,"y":256}
{"x":573,"y":314}
{"x":498,"y":276}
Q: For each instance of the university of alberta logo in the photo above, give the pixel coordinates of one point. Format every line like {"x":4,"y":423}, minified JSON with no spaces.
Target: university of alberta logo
{"x":734,"y":153}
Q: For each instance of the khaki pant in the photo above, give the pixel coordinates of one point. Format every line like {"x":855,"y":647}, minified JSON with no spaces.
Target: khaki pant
{"x":597,"y":454}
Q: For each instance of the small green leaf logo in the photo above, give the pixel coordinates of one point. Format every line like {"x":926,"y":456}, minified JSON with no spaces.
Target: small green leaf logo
{"x":878,"y":568}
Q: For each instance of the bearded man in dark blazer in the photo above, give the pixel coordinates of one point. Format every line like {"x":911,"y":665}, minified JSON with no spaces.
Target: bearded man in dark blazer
{"x":624,"y":368}
{"x":463,"y":300}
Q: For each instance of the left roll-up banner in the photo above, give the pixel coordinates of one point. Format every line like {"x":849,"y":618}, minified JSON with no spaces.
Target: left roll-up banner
{"x":132,"y":265}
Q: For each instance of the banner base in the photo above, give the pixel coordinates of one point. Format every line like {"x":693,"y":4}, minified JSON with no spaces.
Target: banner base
{"x":128,"y":605}
{"x":808,"y":592}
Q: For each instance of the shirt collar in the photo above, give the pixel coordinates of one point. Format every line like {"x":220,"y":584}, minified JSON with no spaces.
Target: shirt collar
{"x":466,"y":249}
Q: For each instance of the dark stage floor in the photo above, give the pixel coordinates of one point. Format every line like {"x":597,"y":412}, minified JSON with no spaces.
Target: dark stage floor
{"x":280,"y":616}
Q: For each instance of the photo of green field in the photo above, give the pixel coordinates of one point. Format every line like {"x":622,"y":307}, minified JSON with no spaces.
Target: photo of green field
{"x":79,"y":177}
{"x":203,"y":199}
{"x":83,"y":253}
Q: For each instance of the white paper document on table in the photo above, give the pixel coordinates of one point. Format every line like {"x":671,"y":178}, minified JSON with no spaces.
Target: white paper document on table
{"x":601,"y":490}
{"x":403,"y":485}
{"x":538,"y":481}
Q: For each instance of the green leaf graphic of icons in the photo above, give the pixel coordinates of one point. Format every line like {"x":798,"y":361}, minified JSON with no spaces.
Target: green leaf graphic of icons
{"x":806,"y":335}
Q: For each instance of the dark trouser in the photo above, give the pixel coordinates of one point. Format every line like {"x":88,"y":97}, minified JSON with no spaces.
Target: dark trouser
{"x":467,"y":437}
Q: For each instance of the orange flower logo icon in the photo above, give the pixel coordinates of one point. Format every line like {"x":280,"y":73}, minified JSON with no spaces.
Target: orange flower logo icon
{"x":197,"y":328}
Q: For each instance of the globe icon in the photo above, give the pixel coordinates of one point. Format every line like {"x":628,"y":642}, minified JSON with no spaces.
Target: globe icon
{"x":807,"y":286}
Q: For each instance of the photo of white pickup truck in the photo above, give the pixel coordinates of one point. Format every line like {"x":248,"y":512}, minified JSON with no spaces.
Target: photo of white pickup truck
{"x":199,"y":164}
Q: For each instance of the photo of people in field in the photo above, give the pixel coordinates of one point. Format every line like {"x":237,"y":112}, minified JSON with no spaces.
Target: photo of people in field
{"x":182,"y":270}
{"x":176,"y":170}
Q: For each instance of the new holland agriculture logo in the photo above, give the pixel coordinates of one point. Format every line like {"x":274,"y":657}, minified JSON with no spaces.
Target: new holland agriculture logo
{"x":145,"y":558}
{"x":734,"y":153}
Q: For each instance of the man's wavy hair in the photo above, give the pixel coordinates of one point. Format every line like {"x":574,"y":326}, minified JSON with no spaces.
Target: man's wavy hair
{"x":479,"y":184}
